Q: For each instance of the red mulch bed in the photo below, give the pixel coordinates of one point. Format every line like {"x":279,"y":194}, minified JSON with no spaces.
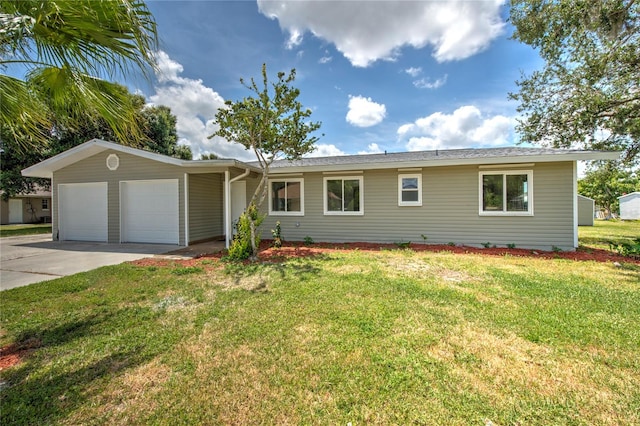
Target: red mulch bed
{"x":298,"y":249}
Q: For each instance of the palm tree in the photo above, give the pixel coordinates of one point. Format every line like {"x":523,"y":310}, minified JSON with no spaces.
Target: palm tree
{"x":68,"y":49}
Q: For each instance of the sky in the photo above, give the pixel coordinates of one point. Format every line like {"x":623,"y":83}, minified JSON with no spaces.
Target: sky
{"x":380,"y":76}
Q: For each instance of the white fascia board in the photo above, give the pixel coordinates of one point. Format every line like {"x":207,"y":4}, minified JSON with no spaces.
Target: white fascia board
{"x":46,"y":168}
{"x":542,"y":158}
{"x":220,"y":164}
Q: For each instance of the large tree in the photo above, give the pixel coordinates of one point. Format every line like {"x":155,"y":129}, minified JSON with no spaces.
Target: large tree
{"x":273,"y":124}
{"x":606,"y":181}
{"x":161,"y":134}
{"x":588,"y":93}
{"x":69,"y":48}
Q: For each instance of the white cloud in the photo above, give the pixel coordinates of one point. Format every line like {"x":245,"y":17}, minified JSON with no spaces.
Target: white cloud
{"x":465,"y":127}
{"x":325,"y":59}
{"x":363,"y":112}
{"x":195,"y":106}
{"x":376,"y":30}
{"x":413,"y":72}
{"x":326,"y":150}
{"x":373,"y":148}
{"x":427,"y":83}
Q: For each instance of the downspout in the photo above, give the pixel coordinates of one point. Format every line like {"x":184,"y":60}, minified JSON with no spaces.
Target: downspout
{"x":186,"y":210}
{"x":227,"y":207}
{"x":575,"y":204}
{"x":228,"y":183}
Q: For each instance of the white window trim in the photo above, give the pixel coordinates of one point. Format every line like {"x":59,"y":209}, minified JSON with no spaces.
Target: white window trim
{"x":48,"y":204}
{"x":286,"y":180}
{"x":503,"y":212}
{"x":410,"y":203}
{"x":343,"y":213}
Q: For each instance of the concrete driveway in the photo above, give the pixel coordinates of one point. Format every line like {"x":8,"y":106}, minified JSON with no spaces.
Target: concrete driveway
{"x":34,"y":258}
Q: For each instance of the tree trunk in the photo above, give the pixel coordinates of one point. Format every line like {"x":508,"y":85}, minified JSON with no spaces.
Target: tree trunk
{"x":257,"y":200}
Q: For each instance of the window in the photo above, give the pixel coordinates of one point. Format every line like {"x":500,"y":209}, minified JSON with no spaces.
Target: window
{"x":506,"y":193}
{"x":45,"y":204}
{"x":343,"y":195}
{"x":286,"y":197}
{"x":410,"y":190}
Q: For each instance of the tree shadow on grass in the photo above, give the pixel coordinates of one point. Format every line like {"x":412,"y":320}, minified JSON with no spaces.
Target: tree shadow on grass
{"x":42,"y":389}
{"x":44,"y":400}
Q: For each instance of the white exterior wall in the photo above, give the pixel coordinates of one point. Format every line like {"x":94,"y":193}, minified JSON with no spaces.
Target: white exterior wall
{"x":630,"y":206}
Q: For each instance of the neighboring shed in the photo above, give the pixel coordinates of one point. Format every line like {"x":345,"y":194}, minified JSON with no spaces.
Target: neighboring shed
{"x":630,"y":206}
{"x":586,"y":210}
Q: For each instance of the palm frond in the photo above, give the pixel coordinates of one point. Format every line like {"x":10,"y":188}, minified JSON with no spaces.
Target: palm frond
{"x":100,"y":38}
{"x":23,"y":115}
{"x":72,"y":96}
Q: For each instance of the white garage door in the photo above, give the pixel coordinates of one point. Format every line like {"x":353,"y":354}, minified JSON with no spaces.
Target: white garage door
{"x":149,"y":211}
{"x":82,"y":211}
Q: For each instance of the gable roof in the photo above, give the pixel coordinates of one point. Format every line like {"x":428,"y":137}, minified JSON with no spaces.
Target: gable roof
{"x":46,"y":168}
{"x":631,"y":194}
{"x":447,"y":157}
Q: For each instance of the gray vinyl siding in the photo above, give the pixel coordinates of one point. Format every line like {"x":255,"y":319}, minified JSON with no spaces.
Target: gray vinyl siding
{"x":206,"y":216}
{"x":94,"y":169}
{"x":449,"y":211}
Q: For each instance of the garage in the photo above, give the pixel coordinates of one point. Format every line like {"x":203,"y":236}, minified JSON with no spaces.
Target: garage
{"x":149,"y":211}
{"x":82,"y":209}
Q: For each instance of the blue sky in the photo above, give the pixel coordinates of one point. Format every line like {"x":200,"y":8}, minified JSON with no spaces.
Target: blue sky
{"x":394,"y":76}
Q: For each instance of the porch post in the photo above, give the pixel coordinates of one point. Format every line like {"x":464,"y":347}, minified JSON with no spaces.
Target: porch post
{"x":227,"y":209}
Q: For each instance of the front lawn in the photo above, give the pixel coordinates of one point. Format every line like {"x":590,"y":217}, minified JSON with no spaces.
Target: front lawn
{"x":25,"y":229}
{"x":382,"y":337}
{"x":605,"y":232}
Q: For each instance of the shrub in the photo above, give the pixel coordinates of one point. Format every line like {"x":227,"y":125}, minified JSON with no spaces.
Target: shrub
{"x":308,"y":240}
{"x":241,"y":248}
{"x":630,"y":249}
{"x":277,"y":236}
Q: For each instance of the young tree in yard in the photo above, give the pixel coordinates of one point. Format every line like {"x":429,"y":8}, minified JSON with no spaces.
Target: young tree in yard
{"x":68,"y":47}
{"x":606,"y":181}
{"x":273,"y":124}
{"x":588,"y":93}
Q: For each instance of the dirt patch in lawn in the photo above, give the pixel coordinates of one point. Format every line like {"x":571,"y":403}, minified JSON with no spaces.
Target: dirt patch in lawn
{"x":14,"y":353}
{"x":299,"y":250}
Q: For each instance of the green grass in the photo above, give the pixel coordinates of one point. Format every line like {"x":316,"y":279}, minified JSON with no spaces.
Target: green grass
{"x":393,"y":337}
{"x":26,"y":229}
{"x":604,"y":232}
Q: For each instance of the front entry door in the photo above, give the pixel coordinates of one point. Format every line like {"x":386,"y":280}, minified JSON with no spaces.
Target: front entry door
{"x":15,"y":211}
{"x":238,"y":201}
